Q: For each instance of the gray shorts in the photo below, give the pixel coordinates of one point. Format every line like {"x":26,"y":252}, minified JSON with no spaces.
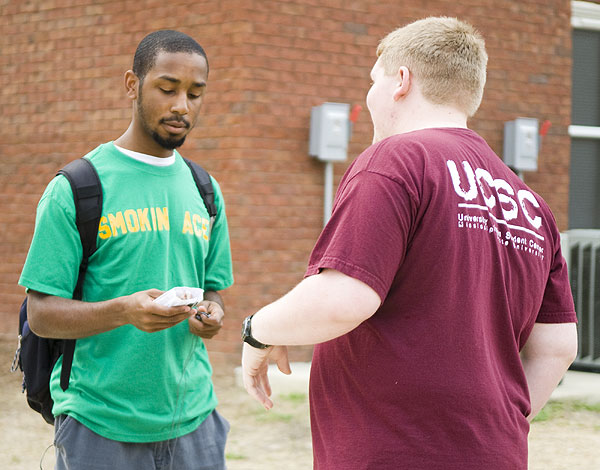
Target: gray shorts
{"x":78,"y":448}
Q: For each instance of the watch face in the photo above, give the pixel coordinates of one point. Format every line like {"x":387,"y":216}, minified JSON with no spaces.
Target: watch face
{"x":246,"y":328}
{"x":247,"y":335}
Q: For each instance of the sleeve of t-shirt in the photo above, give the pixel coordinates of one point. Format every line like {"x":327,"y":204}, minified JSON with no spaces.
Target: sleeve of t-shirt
{"x":366,"y":236}
{"x":218,"y":265}
{"x":52,"y":264}
{"x":557,"y":304}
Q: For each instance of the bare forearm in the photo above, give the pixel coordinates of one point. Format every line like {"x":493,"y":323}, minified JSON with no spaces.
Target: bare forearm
{"x":542,"y":378}
{"x":57,"y":317}
{"x":289,"y":321}
{"x":547,"y":355}
{"x":320,"y":308}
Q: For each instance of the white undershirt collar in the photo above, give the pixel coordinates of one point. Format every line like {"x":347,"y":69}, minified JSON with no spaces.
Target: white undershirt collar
{"x":145,"y":158}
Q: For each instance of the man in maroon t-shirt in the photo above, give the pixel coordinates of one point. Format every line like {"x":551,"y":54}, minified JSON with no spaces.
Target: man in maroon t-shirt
{"x":437,"y":292}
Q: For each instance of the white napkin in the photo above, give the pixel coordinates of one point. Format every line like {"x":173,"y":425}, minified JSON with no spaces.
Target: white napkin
{"x":181,"y":296}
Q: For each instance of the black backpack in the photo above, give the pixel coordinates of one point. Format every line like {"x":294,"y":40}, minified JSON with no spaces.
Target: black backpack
{"x":36,"y":356}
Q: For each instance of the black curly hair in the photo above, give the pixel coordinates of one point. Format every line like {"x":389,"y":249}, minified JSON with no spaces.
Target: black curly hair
{"x":165,"y":40}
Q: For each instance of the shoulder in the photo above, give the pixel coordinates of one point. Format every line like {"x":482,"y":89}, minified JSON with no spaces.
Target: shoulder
{"x":400,"y":159}
{"x":410,"y":151}
{"x":103,"y":149}
{"x":219,"y":199}
{"x":200,"y":171}
{"x":58,"y":192}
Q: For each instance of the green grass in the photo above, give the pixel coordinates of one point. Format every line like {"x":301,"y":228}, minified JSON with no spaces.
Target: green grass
{"x":296,"y":398}
{"x":582,"y":406}
{"x":286,"y":409}
{"x":558,"y":409}
{"x":552,"y":410}
{"x":232,"y":456}
{"x":274,"y":416}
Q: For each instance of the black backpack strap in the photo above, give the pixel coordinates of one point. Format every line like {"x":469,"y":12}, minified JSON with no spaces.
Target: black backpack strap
{"x":87,"y":194}
{"x":205,"y":187}
{"x":67,"y":354}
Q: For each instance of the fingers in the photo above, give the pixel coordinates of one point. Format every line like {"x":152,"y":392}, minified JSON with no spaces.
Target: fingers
{"x":199,"y":328}
{"x":162,"y":316}
{"x":151,"y":323}
{"x":154,"y":293}
{"x":207,"y":319}
{"x":258,"y":388}
{"x":280,"y":354}
{"x":146,"y":315}
{"x":254,"y":374}
{"x":257,"y":391}
{"x":212,"y":310}
{"x":203,"y":326}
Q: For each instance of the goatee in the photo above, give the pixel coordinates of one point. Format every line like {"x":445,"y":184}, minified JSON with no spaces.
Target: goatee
{"x":168,"y":144}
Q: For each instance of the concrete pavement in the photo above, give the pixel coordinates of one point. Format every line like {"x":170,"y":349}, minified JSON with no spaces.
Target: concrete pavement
{"x":584,"y":386}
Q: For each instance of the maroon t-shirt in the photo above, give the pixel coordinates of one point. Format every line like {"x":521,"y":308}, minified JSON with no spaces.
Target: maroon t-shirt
{"x":466,"y":258}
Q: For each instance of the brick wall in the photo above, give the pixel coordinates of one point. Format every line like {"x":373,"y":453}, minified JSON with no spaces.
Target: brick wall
{"x":61,"y":69}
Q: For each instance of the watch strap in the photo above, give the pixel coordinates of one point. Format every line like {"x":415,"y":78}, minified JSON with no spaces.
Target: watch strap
{"x":247,"y":335}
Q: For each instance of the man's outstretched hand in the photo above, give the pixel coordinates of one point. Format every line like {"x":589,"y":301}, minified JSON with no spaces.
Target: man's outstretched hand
{"x":255,"y":364}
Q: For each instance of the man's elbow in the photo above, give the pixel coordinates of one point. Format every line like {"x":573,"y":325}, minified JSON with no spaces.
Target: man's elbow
{"x":353,"y":312}
{"x":345,"y":302}
{"x":557,"y":342}
{"x":35,"y":317}
{"x":570,"y":353}
{"x":567,"y":348}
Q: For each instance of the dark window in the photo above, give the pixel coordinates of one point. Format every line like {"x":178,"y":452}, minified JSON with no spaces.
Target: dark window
{"x":584,"y":192}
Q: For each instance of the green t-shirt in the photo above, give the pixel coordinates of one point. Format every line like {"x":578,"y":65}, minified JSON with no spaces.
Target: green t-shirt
{"x":155,"y":232}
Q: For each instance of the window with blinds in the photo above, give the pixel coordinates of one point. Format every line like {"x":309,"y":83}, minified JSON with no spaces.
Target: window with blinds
{"x":584,"y":192}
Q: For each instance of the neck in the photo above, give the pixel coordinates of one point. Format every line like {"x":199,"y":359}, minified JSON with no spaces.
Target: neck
{"x":138,"y":140}
{"x":425,"y":115}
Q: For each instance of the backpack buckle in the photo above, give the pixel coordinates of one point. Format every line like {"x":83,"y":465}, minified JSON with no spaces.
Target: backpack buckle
{"x":17,"y":358}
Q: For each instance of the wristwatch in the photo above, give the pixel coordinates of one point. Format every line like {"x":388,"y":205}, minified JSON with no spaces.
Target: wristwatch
{"x":247,"y":334}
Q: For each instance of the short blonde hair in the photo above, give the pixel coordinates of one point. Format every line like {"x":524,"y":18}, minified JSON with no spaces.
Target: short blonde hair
{"x":446,"y":56}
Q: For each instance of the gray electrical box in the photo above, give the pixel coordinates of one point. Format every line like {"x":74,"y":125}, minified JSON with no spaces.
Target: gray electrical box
{"x":329,"y":132}
{"x":521,"y":144}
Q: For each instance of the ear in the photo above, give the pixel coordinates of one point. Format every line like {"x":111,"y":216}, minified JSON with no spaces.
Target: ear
{"x":404,"y":78}
{"x":132,"y":83}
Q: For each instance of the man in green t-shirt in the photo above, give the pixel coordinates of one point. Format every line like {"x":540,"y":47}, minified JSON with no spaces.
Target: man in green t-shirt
{"x":140,"y":393}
